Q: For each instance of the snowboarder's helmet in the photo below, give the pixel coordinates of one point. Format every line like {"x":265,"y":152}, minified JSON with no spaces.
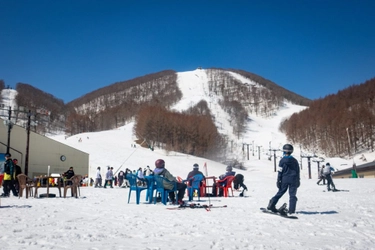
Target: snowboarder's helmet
{"x":195,"y":166}
{"x":159,"y":163}
{"x":288,"y":149}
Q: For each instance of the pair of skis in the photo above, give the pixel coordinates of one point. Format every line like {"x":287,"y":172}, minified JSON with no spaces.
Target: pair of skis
{"x":195,"y":206}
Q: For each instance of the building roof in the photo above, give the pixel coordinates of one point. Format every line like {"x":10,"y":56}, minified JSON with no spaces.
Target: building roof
{"x":360,"y":168}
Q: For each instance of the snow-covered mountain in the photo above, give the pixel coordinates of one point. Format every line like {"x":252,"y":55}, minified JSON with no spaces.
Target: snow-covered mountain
{"x":262,"y":134}
{"x":261,"y":137}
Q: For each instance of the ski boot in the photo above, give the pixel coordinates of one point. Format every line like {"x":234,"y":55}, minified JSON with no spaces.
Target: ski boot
{"x":283,"y":210}
{"x":271,"y":206}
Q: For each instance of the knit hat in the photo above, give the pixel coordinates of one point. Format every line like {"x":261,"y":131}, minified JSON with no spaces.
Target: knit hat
{"x":229,"y":168}
{"x":195,"y":166}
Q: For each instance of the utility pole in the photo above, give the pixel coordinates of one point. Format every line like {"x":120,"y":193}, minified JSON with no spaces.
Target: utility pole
{"x":309,"y":163}
{"x":274,"y":159}
{"x":243,"y":145}
{"x":10,"y":126}
{"x":259,"y":152}
{"x":318,"y":161}
{"x":27,"y":142}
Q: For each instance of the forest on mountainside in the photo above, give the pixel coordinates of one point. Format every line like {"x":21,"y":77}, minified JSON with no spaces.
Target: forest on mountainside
{"x":274,"y":88}
{"x":325,"y":126}
{"x":338,"y":124}
{"x":191,"y":133}
{"x":115,"y":105}
{"x":47,"y":111}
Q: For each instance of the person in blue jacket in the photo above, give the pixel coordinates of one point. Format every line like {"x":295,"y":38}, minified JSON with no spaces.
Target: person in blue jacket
{"x":288,"y":178}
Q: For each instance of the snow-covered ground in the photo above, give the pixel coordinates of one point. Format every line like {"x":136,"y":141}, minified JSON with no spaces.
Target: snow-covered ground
{"x":103,"y":219}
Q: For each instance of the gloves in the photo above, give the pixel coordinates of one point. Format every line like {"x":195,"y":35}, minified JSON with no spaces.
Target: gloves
{"x":278,"y":184}
{"x":298,"y":183}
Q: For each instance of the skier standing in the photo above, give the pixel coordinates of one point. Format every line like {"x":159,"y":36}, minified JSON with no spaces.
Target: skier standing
{"x":288,"y":178}
{"x":321,"y":176}
{"x":327,"y":174}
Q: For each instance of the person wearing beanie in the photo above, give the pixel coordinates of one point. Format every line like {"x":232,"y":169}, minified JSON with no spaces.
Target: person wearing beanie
{"x":229,"y":172}
{"x":194,"y":172}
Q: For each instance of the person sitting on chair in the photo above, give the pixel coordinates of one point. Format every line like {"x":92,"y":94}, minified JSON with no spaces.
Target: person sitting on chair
{"x":221,"y":177}
{"x":181,"y":187}
{"x":195,"y":171}
{"x":69,"y":174}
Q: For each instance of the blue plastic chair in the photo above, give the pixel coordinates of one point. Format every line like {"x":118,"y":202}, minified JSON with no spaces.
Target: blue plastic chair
{"x":159,"y":181}
{"x":151,"y":186}
{"x":195,"y":185}
{"x":133,"y":187}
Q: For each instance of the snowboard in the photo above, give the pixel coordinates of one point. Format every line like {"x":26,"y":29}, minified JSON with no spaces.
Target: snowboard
{"x":336,"y":190}
{"x":264,"y":210}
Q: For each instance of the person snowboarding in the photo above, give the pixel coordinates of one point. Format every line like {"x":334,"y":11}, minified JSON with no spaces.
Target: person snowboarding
{"x":328,"y":175}
{"x":288,"y":177}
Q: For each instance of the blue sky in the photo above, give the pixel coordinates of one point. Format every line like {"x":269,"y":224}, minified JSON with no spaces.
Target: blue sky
{"x":72,"y":47}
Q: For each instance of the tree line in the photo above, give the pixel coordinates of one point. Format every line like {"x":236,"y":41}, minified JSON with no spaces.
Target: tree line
{"x":338,"y":124}
{"x":191,"y":133}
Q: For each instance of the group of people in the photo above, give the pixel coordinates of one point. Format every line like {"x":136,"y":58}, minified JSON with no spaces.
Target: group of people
{"x":108,"y":178}
{"x":10,"y":180}
{"x":288,"y":179}
{"x":326,"y":174}
{"x":120,"y":179}
{"x":160,"y":170}
{"x":181,"y":186}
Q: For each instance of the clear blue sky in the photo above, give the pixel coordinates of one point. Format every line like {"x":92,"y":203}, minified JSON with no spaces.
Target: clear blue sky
{"x":71,"y":47}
